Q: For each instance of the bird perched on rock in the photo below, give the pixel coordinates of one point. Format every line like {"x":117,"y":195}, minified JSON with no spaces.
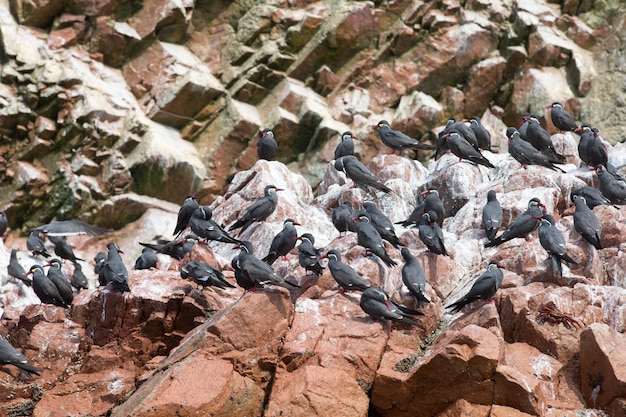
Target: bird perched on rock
{"x":561,"y":119}
{"x":464,"y":150}
{"x":484,"y":288}
{"x":483,"y":137}
{"x":98,"y":261}
{"x":524,"y":153}
{"x":260,"y":210}
{"x":341,"y":217}
{"x":492,"y":215}
{"x":430,"y":200}
{"x":252,"y":269}
{"x":586,"y":223}
{"x":346,"y":146}
{"x":359,"y":174}
{"x":523,"y":226}
{"x":347,"y":278}
{"x":283,"y":242}
{"x":184,"y":214}
{"x":11,"y":356}
{"x":36,"y":245}
{"x":370,"y":239}
{"x":595,"y":151}
{"x":205,"y":275}
{"x":377,"y":304}
{"x":58,"y":278}
{"x":381,"y":222}
{"x":266,"y":146}
{"x":308,"y":255}
{"x":541,"y":140}
{"x":553,"y":242}
{"x":414,"y":278}
{"x":397,"y":140}
{"x":453,"y":125}
{"x":113,"y":270}
{"x":4,"y":223}
{"x":63,"y":249}
{"x":586,"y":138}
{"x":148,"y":259}
{"x":611,"y":186}
{"x":44,"y":288}
{"x":203,"y":226}
{"x":593,"y":196}
{"x":177,"y":248}
{"x":431,"y":235}
{"x":15,"y":269}
{"x":79,"y":280}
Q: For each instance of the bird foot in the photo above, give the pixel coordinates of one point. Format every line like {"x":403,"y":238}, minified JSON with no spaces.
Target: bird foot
{"x":491,"y":301}
{"x":342,"y":291}
{"x":528,"y":239}
{"x":284,"y":259}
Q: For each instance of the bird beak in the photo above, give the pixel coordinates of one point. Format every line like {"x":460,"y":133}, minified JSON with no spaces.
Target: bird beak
{"x":354,"y":219}
{"x":237,"y":247}
{"x":354,"y":137}
{"x":280,"y":189}
{"x":297,"y":224}
{"x":375,"y":127}
{"x":423,"y":193}
{"x":324,"y":256}
{"x":578,"y":130}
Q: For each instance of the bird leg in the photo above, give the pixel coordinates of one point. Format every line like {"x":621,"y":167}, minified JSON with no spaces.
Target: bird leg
{"x":253,"y":288}
{"x":528,"y":238}
{"x":341,"y":290}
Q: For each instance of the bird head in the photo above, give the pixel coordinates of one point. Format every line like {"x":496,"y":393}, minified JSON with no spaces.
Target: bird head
{"x":348,"y":136}
{"x":556,"y":104}
{"x":361,"y":218}
{"x":381,"y":124}
{"x":495,"y":265}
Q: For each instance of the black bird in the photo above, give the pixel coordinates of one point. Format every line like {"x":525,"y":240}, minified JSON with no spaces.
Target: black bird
{"x":267,"y":147}
{"x":184,"y":214}
{"x":4,"y":223}
{"x":11,"y":356}
{"x":98,"y":261}
{"x":58,"y":278}
{"x":369,"y":238}
{"x":553,"y":242}
{"x":205,"y":275}
{"x":283,"y":242}
{"x":462,"y":129}
{"x":492,"y":215}
{"x":113,"y":270}
{"x":484,"y":288}
{"x":381,"y":222}
{"x":63,"y":249}
{"x":414,"y":278}
{"x":596,"y":152}
{"x":612,"y":187}
{"x":347,"y":278}
{"x":593,"y":196}
{"x":259,"y":210}
{"x":523,"y":127}
{"x":586,"y":223}
{"x":204,"y":227}
{"x":35,"y":244}
{"x":15,"y":269}
{"x":524,"y":153}
{"x":359,"y":173}
{"x":148,"y":259}
{"x":464,"y":150}
{"x":346,"y":146}
{"x":586,"y":138}
{"x":79,"y":280}
{"x":377,"y":304}
{"x":427,"y":200}
{"x":242,"y":278}
{"x":342,"y":216}
{"x":560,"y":118}
{"x":483,"y":137}
{"x":397,"y":140}
{"x":523,"y":226}
{"x":308,"y":256}
{"x":431,"y":235}
{"x":44,"y":288}
{"x":255,"y":270}
{"x":70,"y":227}
{"x":177,"y":248}
{"x":541,"y":140}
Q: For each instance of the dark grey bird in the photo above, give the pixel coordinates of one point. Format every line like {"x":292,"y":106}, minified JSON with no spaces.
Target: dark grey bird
{"x":260,"y":210}
{"x":4,"y":223}
{"x":148,"y":259}
{"x":266,"y":146}
{"x":593,"y":196}
{"x":431,"y":235}
{"x":464,"y":150}
{"x":553,"y":242}
{"x":44,"y":288}
{"x":524,"y":153}
{"x":381,"y":222}
{"x":492,"y":215}
{"x":79,"y":280}
{"x":346,"y":146}
{"x":203,"y":226}
{"x":63,"y":249}
{"x":11,"y":356}
{"x":283,"y":242}
{"x":377,"y":304}
{"x":541,"y":140}
{"x":308,"y":255}
{"x":36,"y":245}
{"x":369,"y":238}
{"x":430,"y":201}
{"x":98,"y":261}
{"x":523,"y":226}
{"x":70,"y":228}
{"x":561,"y":119}
{"x":523,"y":127}
{"x":483,"y":137}
{"x":255,"y":270}
{"x":453,"y":125}
{"x":242,"y":278}
{"x":611,"y":186}
{"x":184,"y":214}
{"x":397,"y":140}
{"x":342,"y":216}
{"x":177,"y":248}
{"x":58,"y":278}
{"x":113,"y":270}
{"x":414,"y":278}
{"x":359,"y":174}
{"x":15,"y":269}
{"x":347,"y":278}
{"x":204,"y":275}
{"x":586,"y":223}
{"x":586,"y":138}
{"x":484,"y":288}
{"x":596,"y":152}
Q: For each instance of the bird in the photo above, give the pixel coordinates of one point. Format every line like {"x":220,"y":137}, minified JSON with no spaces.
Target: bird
{"x":58,"y":278}
{"x":308,"y":255}
{"x":346,"y":146}
{"x":242,"y":278}
{"x":612,"y":187}
{"x":44,"y":288}
{"x":259,"y":210}
{"x":560,"y":118}
{"x":148,"y":259}
{"x":483,"y":137}
{"x":283,"y":242}
{"x":381,"y":222}
{"x":15,"y":269}
{"x":484,"y":288}
{"x":63,"y":249}
{"x":184,"y":213}
{"x":253,"y":269}
{"x":541,"y":140}
{"x":414,"y":278}
{"x":36,"y":245}
{"x":430,"y":200}
{"x":596,"y":152}
{"x":464,"y":150}
{"x":397,"y":140}
{"x":113,"y":270}
{"x":4,"y":223}
{"x":203,"y":226}
{"x":524,"y":153}
{"x":205,"y":275}
{"x":79,"y":280}
{"x":431,"y":235}
{"x":347,"y":278}
{"x":377,"y":304}
{"x":523,"y":127}
{"x":553,"y":242}
{"x":586,"y":138}
{"x":177,"y":248}
{"x":11,"y":356}
{"x":266,"y":146}
{"x":586,"y":223}
{"x":523,"y":226}
{"x":70,"y":227}
{"x":369,"y":238}
{"x":453,"y":125}
{"x":492,"y":215}
{"x":593,"y":196}
{"x":98,"y":261}
{"x":341,"y":217}
{"x":358,"y":173}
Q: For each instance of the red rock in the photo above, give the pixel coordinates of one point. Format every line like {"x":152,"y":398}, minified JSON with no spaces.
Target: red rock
{"x":462,"y":408}
{"x":485,"y":77}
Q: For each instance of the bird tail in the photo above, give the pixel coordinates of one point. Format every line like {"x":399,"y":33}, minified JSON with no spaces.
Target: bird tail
{"x":556,"y":265}
{"x":270,"y":258}
{"x":420,"y":299}
{"x":568,"y":258}
{"x":387,"y":260}
{"x":317,"y":269}
{"x":455,"y":307}
{"x":28,"y":369}
{"x":495,"y":242}
{"x":408,"y":320}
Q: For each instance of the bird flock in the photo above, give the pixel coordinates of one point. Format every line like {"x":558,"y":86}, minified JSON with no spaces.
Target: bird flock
{"x":530,"y":144}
